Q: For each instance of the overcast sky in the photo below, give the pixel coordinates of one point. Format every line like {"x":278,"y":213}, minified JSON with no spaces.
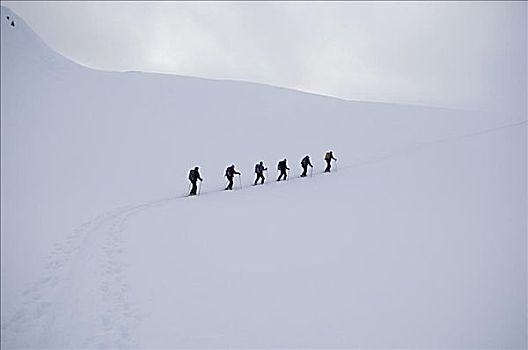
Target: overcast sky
{"x":454,"y":54}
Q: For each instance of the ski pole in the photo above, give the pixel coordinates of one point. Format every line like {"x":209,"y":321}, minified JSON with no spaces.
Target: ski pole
{"x":200,"y":188}
{"x":311,"y":171}
{"x":335,"y":164}
{"x":189,"y":189}
{"x":240,"y":180}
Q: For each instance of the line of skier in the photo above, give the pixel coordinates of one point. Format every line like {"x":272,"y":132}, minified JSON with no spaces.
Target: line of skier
{"x":282,"y":167}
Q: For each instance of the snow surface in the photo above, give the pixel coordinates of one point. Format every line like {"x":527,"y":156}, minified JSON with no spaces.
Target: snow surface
{"x":417,"y":239}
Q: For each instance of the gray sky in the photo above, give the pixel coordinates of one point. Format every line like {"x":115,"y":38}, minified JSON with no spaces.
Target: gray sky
{"x":455,"y":54}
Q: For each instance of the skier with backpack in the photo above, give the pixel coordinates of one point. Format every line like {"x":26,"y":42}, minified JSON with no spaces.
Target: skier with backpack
{"x":282,"y":167}
{"x":328,"y":158}
{"x":194,"y":176}
{"x":259,"y":170}
{"x":230,"y":174}
{"x":305,"y":162}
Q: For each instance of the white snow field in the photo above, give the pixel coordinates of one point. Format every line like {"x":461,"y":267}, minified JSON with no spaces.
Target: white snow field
{"x":417,"y":239}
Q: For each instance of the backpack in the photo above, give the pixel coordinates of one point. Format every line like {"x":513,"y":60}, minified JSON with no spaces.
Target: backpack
{"x":328,"y":155}
{"x":192,"y":176}
{"x":227,"y":172}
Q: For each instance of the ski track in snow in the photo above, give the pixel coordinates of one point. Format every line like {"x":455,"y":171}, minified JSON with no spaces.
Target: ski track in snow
{"x":50,"y":303}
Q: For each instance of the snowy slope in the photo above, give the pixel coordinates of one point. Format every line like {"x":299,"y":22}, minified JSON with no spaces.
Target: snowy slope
{"x":418,"y":240}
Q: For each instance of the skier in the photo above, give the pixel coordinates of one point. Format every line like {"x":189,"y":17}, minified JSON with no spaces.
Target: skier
{"x":230,"y":173}
{"x":305,"y":162}
{"x":328,"y":157}
{"x":282,"y":167}
{"x":194,"y":176}
{"x":259,"y":170}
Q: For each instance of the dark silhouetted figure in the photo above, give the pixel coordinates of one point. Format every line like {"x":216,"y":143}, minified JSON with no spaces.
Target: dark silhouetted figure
{"x":282,"y":167}
{"x":194,"y":176}
{"x":328,"y":158}
{"x":259,"y":170}
{"x":230,"y":173}
{"x":305,"y":163}
{"x":12,"y":23}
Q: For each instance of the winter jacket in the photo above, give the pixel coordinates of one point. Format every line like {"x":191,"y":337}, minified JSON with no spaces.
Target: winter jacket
{"x":282,"y":165}
{"x":259,"y":169}
{"x":230,"y":172}
{"x":194,"y":175}
{"x":306,"y":162}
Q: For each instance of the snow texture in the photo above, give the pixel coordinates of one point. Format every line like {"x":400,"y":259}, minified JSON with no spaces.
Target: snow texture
{"x":416,"y":239}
